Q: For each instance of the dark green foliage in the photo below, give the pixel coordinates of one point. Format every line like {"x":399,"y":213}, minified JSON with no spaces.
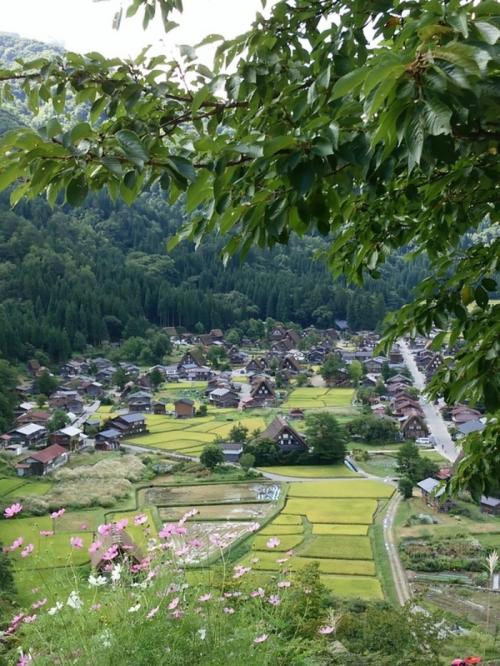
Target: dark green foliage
{"x":120,"y":378}
{"x":238,"y":434}
{"x":332,"y":364}
{"x":326,"y":439}
{"x":59,"y":420}
{"x":405,"y":487}
{"x":211,"y":456}
{"x":8,"y":399}
{"x":156,"y":378}
{"x":247,"y":461}
{"x":46,"y":383}
{"x":412,"y":465}
{"x":373,"y":429}
{"x":265,"y":452}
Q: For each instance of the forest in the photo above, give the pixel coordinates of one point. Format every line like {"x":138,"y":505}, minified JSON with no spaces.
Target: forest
{"x":71,"y":277}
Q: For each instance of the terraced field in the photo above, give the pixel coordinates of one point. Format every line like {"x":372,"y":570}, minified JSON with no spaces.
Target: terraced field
{"x":189,"y":436}
{"x":324,"y":522}
{"x":311,"y":471}
{"x":338,"y":400}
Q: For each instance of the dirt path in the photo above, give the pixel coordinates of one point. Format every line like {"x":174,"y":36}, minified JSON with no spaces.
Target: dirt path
{"x":398,"y":573}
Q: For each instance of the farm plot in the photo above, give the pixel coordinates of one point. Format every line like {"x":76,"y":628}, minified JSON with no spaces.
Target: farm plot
{"x":334,"y":399}
{"x":212,"y":537}
{"x":340,"y":511}
{"x":210,"y":494}
{"x":220,"y":512}
{"x":8,"y":485}
{"x":34,"y":488}
{"x":337,"y":489}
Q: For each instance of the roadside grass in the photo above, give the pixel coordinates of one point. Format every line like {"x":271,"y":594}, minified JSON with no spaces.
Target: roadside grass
{"x":311,"y":471}
{"x":339,"y":547}
{"x":362,"y":488}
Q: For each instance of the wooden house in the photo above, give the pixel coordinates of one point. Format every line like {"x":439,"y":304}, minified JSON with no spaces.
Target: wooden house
{"x":286,"y":437}
{"x":290,"y":365}
{"x":262,"y":392}
{"x":232,"y":451}
{"x":193,"y":357}
{"x":159,"y":407}
{"x":490,"y":505}
{"x":140,"y":401}
{"x":224,"y":397}
{"x":42,"y":462}
{"x":68,"y":437}
{"x":432,"y":494}
{"x":257,"y":364}
{"x":38,"y":416}
{"x":108,"y":440}
{"x":413,"y":427}
{"x":184,"y":408}
{"x":29,"y":435}
{"x":129,"y":424}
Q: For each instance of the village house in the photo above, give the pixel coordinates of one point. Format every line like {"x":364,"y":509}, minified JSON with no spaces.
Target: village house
{"x":290,"y":365}
{"x":91,"y":425}
{"x":399,"y":379}
{"x":38,"y":416}
{"x":159,"y":407}
{"x":374,"y":364}
{"x":257,"y":364}
{"x":92,"y":389}
{"x":129,"y":424}
{"x":68,"y":437}
{"x":236,"y":356}
{"x":296,"y":413}
{"x":108,"y":440}
{"x":29,"y":435}
{"x":140,"y":401}
{"x":232,"y":451}
{"x":224,"y":397}
{"x":73,"y":368}
{"x":217,"y":335}
{"x":43,"y":462}
{"x":286,"y":437}
{"x":469,"y":427}
{"x":262,"y":393}
{"x":340,"y":378}
{"x":490,"y":505}
{"x":395,"y":356}
{"x":413,"y":427}
{"x":463,"y":413}
{"x":68,"y":400}
{"x":277,"y":333}
{"x":105,"y":375}
{"x":432,"y":492}
{"x":184,"y":408}
{"x":193,"y":357}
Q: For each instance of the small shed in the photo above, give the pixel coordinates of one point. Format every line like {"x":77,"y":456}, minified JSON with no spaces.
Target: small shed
{"x":184,"y":408}
{"x":490,"y":505}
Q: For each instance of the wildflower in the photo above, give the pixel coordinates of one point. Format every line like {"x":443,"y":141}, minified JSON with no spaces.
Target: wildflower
{"x":173,"y":604}
{"x":29,"y":619}
{"x":240,"y":571}
{"x":205,"y":597}
{"x":13,"y":510}
{"x":166,"y":531}
{"x":106,"y":637}
{"x":196,"y":543}
{"x":74,"y":601}
{"x":274,"y":600}
{"x":140,"y":519}
{"x":273,"y":542}
{"x":259,"y":592}
{"x":46,"y":533}
{"x":289,"y":553}
{"x":261,"y":638}
{"x":76,"y":542}
{"x":96,"y":581}
{"x":95,"y":607}
{"x":24,"y":660}
{"x":121,"y":524}
{"x":26,"y":551}
{"x":215,"y":539}
{"x":327,"y":629}
{"x":284,"y":583}
{"x":282,"y":560}
{"x":228,"y":610}
{"x":134,"y":609}
{"x":253,"y":527}
{"x":254,"y":560}
{"x":116,"y":573}
{"x":111,"y":553}
{"x":84,"y":527}
{"x":94,"y":546}
{"x":180,"y":530}
{"x":38,"y":604}
{"x":202,"y":633}
{"x":152,"y":612}
{"x":177,"y":614}
{"x":55,"y":609}
{"x":306,"y":590}
{"x":16,"y":543}
{"x":57,"y":514}
{"x":105,"y":530}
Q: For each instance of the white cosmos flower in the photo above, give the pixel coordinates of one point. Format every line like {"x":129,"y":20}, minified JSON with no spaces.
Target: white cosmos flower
{"x":97,"y":581}
{"x":55,"y":609}
{"x":134,"y":609}
{"x":202,"y":634}
{"x":74,"y":601}
{"x":116,"y":573}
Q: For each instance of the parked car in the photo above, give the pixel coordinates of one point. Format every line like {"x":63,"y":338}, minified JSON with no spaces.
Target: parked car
{"x":424,"y":442}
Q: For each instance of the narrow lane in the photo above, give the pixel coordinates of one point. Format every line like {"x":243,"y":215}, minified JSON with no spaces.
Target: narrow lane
{"x":398,"y":573}
{"x":443,"y":442}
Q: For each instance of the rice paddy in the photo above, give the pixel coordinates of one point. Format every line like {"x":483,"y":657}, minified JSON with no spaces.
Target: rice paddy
{"x":338,"y":400}
{"x":311,"y":471}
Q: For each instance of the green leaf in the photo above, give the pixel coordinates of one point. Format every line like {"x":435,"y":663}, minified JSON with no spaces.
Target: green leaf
{"x":279,"y":143}
{"x":76,"y":191}
{"x":97,"y":108}
{"x":132,"y":146}
{"x":381,"y":73}
{"x":459,"y":22}
{"x":198,"y":191}
{"x":210,"y":39}
{"x":481,"y":296}
{"x":81,"y":131}
{"x":437,"y":116}
{"x":302,"y":177}
{"x":53,"y":128}
{"x":9,"y":175}
{"x":348,"y":83}
{"x":184,"y":167}
{"x":199,"y":97}
{"x":414,"y":137}
{"x":489,"y":32}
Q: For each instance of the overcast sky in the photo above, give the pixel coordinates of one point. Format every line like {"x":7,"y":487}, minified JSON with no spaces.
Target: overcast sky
{"x":82,"y":25}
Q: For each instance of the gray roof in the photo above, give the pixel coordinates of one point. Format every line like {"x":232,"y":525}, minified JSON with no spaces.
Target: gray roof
{"x":131,"y":418}
{"x":184,"y":401}
{"x":111,"y":433}
{"x":471,"y":426}
{"x":490,"y":501}
{"x":429,"y":485}
{"x":29,"y":429}
{"x":220,"y":392}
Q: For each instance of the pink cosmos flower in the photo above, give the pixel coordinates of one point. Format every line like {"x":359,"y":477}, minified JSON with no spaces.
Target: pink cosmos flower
{"x":196,"y":543}
{"x":282,"y":560}
{"x":274,"y":600}
{"x":84,"y":527}
{"x":29,"y":619}
{"x":24,"y":660}
{"x":261,"y":638}
{"x":180,"y":530}
{"x":26,"y":551}
{"x":167,"y":531}
{"x":284,"y":583}
{"x":13,"y":510}
{"x":111,"y":553}
{"x":121,"y":524}
{"x":57,"y":514}
{"x":289,"y":553}
{"x":177,"y":613}
{"x":16,"y":543}
{"x":46,"y":533}
{"x":273,"y":542}
{"x":241,"y":571}
{"x":95,"y":607}
{"x":94,"y":546}
{"x":39,"y":604}
{"x":228,"y":610}
{"x":259,"y":592}
{"x":76,"y":542}
{"x":140,"y":519}
{"x":173,"y":604}
{"x":254,"y":560}
{"x":327,"y":629}
{"x":205,"y":597}
{"x":152,"y":612}
{"x":105,"y":530}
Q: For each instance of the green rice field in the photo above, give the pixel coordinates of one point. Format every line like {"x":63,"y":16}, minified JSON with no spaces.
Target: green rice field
{"x":311,"y":471}
{"x":335,"y":399}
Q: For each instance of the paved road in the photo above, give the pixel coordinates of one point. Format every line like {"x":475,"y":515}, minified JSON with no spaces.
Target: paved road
{"x":88,"y":410}
{"x":437,"y":426}
{"x":398,"y":573}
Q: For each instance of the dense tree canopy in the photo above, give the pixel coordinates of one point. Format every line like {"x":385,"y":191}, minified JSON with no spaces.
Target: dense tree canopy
{"x":308,"y":122}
